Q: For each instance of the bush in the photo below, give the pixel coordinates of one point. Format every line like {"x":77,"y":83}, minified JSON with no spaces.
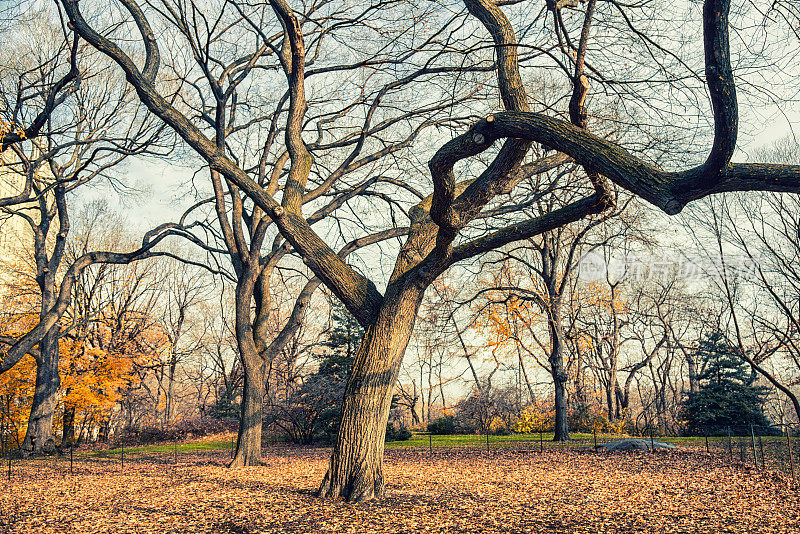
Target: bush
{"x":194,"y":428}
{"x":498,"y":427}
{"x":534,"y":419}
{"x":444,"y":425}
{"x":394,"y":434}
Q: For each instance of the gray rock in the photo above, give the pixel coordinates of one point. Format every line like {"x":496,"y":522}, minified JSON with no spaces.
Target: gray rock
{"x":634,"y":444}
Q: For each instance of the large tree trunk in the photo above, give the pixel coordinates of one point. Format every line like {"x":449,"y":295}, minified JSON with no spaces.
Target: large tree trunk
{"x":39,"y":436}
{"x":248,"y":445}
{"x":356,"y":468}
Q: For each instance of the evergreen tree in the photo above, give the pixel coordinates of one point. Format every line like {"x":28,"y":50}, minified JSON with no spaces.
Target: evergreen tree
{"x":341,"y":341}
{"x":316,"y":407}
{"x":726,"y":398}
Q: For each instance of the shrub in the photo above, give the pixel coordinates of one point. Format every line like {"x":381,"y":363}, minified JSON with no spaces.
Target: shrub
{"x":498,"y":427}
{"x":534,"y":419}
{"x":444,"y":425}
{"x":395,"y":434}
{"x":193,"y":428}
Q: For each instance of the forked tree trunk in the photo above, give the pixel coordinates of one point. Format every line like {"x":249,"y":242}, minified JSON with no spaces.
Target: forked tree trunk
{"x":39,"y":436}
{"x":356,"y":468}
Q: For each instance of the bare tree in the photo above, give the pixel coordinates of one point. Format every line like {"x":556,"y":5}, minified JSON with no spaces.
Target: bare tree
{"x":96,"y":127}
{"x":758,"y":235}
{"x":36,"y":80}
{"x":440,"y":232}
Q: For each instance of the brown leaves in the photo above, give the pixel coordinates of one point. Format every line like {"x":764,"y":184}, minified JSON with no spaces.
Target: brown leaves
{"x":459,"y":491}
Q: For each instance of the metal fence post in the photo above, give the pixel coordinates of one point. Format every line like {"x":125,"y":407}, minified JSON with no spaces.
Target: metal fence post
{"x":730,"y":444}
{"x":755,"y":454}
{"x":791,"y":457}
{"x":707,"y":450}
{"x":594,"y":433}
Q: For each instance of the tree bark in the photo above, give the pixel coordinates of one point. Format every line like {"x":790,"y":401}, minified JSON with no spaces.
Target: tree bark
{"x":39,"y":436}
{"x":561,"y":431}
{"x":356,"y":468}
{"x":248,"y":445}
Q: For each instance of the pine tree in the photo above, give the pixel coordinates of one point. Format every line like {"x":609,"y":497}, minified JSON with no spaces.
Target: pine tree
{"x":726,"y":398}
{"x":316,"y":407}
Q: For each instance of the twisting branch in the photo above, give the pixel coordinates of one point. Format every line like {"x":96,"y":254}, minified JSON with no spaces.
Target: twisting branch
{"x":59,"y":92}
{"x":358,"y":293}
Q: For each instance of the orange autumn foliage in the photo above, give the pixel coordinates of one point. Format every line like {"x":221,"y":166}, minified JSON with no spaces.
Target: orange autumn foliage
{"x":97,"y":363}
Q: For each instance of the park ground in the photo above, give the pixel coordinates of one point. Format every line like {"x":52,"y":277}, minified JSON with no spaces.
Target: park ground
{"x":451,"y":489}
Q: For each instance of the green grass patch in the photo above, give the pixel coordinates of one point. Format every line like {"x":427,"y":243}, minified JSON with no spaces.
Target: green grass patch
{"x":424,"y":440}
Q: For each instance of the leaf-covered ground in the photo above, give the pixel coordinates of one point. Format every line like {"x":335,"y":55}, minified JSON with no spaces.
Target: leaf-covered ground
{"x":450,"y":491}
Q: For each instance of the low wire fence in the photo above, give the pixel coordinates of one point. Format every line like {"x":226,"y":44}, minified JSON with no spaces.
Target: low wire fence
{"x":761,"y":448}
{"x":773,"y":448}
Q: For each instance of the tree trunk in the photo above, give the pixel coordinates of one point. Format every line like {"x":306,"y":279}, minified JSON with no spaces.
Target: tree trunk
{"x":39,"y":437}
{"x":104,"y":431}
{"x":561,"y":431}
{"x":248,"y":443}
{"x":692,"y":363}
{"x":68,"y":436}
{"x":356,"y":468}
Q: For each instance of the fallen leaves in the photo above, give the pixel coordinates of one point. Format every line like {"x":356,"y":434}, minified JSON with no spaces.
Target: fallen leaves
{"x":461,"y":491}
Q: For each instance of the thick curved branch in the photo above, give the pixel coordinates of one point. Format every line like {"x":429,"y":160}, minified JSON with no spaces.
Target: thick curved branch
{"x":530,"y":228}
{"x":670,"y":191}
{"x":295,"y":72}
{"x":500,"y":174}
{"x":721,"y":86}
{"x":152,"y":57}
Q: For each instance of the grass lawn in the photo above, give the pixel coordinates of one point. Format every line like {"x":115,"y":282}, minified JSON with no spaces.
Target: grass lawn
{"x":424,"y":440}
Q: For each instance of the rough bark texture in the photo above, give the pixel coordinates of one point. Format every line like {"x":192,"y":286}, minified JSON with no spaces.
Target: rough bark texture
{"x":356,"y":468}
{"x":248,"y":445}
{"x":39,"y":436}
{"x":561,"y":431}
